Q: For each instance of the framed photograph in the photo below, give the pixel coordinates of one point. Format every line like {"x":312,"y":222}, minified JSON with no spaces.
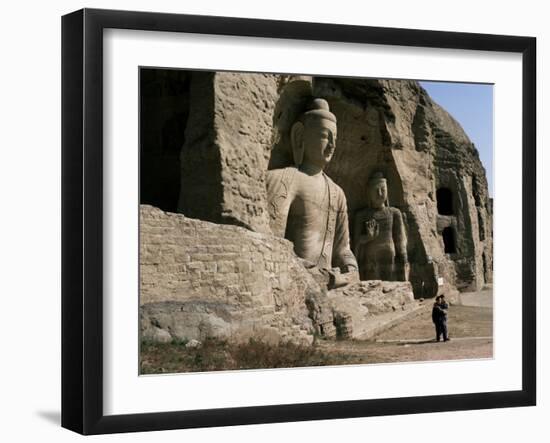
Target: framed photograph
{"x":269,"y":221}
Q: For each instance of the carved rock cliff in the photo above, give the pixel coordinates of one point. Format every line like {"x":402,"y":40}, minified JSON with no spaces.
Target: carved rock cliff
{"x":218,"y":257}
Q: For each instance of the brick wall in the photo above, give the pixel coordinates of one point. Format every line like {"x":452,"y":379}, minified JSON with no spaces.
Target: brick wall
{"x":249,"y":280}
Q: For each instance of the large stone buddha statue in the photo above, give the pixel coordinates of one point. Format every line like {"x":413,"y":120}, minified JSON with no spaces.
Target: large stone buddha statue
{"x":380,"y":241}
{"x":305,"y":205}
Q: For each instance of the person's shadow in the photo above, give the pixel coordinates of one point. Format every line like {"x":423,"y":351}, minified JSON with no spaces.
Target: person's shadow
{"x":418,"y":342}
{"x":54,"y":417}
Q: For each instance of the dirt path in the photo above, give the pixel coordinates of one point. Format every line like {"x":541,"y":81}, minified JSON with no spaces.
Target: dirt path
{"x":463,"y":321}
{"x":470,"y":329}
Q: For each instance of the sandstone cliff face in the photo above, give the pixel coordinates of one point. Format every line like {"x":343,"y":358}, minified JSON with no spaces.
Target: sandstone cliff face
{"x":236,"y":127}
{"x":227,"y":148}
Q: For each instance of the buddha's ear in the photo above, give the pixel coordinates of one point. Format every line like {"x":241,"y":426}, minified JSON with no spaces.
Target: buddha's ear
{"x":296,"y":141}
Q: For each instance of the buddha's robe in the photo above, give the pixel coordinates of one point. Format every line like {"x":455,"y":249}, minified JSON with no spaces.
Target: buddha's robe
{"x":311,"y":212}
{"x":384,"y":256}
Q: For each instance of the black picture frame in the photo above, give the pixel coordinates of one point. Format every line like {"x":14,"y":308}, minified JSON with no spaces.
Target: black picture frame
{"x":82,"y":218}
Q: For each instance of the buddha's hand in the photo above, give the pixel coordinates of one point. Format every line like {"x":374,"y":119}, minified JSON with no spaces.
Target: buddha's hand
{"x":306,"y":263}
{"x":337,"y":279}
{"x":372,"y":229}
{"x":349,"y":268}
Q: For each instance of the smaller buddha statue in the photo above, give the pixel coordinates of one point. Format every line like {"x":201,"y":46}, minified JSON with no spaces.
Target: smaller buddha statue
{"x":380,"y":241}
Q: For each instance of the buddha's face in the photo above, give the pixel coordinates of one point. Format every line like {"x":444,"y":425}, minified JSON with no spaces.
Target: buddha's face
{"x":319,"y":141}
{"x":378,"y":194}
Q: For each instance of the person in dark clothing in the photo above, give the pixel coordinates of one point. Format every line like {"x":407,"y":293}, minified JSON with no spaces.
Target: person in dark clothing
{"x":439,"y":318}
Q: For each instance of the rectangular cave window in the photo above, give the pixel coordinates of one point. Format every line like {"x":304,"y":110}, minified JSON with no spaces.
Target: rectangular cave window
{"x":444,"y":201}
{"x":449,"y":240}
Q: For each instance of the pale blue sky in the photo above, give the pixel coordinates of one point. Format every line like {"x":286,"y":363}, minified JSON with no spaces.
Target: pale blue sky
{"x":470,"y":104}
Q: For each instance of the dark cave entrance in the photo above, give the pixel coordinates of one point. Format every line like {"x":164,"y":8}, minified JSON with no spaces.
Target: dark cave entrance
{"x":449,"y":240}
{"x":164,"y":110}
{"x":444,"y":201}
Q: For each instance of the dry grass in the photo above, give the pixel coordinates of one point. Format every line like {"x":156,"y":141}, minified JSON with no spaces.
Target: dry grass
{"x":216,"y":355}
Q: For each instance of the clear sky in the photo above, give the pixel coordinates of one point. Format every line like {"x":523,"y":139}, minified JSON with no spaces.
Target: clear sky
{"x":472,"y":106}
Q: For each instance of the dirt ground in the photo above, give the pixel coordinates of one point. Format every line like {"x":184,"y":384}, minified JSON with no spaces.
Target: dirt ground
{"x":470,"y":330}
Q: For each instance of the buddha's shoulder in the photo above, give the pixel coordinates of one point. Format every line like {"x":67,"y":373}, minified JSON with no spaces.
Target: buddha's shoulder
{"x":363,"y":212}
{"x":394,"y":211}
{"x":282,"y":174}
{"x":334,"y":186}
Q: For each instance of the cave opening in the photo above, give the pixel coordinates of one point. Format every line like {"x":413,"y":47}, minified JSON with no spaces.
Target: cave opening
{"x":163,"y":113}
{"x":449,"y":240}
{"x":444,"y":201}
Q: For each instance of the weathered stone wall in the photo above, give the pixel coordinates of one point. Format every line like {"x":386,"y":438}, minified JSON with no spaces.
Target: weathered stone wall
{"x":244,"y":122}
{"x":241,"y":281}
{"x":200,"y":279}
{"x":357,"y":307}
{"x":227,"y":148}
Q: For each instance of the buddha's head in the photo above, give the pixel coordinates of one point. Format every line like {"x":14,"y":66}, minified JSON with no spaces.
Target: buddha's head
{"x":313,"y":136}
{"x":377,"y":189}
